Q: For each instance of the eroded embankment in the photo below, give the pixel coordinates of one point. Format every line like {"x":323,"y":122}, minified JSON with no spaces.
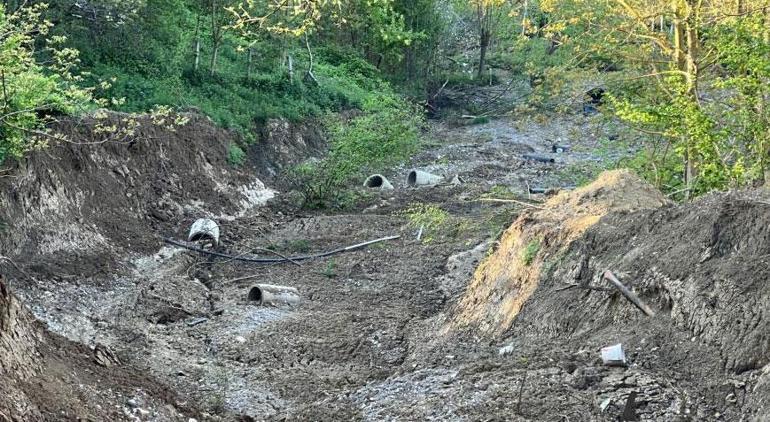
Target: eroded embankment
{"x":72,"y":217}
{"x":702,"y":267}
{"x":89,"y":198}
{"x":504,"y":282}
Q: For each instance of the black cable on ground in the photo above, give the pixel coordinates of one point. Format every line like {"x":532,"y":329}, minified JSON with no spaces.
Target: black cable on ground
{"x":246,"y":258}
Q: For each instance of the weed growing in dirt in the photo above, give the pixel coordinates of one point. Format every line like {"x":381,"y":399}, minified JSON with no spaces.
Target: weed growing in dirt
{"x":530,"y":252}
{"x":499,"y":192}
{"x":235,"y":155}
{"x":330,"y":271}
{"x":297,"y":246}
{"x":217,"y":401}
{"x":428,"y":218}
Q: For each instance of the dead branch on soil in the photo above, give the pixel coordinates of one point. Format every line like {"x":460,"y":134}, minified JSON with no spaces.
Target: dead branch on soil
{"x":585,"y":287}
{"x":295,"y":259}
{"x":511,"y":201}
{"x":633,"y":298}
{"x":521,"y":392}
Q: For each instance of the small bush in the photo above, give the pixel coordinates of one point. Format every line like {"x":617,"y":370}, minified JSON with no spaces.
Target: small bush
{"x":387,"y":132}
{"x":235,"y":155}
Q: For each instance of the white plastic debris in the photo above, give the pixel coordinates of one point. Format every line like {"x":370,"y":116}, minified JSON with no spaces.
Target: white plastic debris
{"x":605,"y":404}
{"x":614,"y":355}
{"x":507,"y":350}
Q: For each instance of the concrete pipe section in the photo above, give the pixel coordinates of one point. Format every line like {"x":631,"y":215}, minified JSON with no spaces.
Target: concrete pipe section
{"x":422,"y":178}
{"x":378,"y":181}
{"x":269,"y":295}
{"x":204,"y":229}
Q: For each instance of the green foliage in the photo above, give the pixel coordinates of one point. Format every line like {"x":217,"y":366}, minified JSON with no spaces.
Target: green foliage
{"x":530,"y":252}
{"x":429,"y":218}
{"x":330,"y":271}
{"x":707,"y":125}
{"x":235,"y":155}
{"x":384,"y":133}
{"x":32,"y":90}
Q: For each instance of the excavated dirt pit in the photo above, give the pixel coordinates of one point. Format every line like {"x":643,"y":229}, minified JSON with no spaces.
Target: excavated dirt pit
{"x":406,"y":329}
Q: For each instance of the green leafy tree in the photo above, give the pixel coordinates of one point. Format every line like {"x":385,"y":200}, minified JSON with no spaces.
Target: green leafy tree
{"x":674,"y":54}
{"x":32,"y":94}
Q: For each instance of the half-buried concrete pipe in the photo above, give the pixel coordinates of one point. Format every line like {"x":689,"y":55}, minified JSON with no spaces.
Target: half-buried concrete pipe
{"x":204,"y":229}
{"x":270,"y":295}
{"x":422,"y":178}
{"x":378,"y":181}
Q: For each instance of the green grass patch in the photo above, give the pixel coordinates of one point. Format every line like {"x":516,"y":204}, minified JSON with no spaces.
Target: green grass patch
{"x":530,"y":252}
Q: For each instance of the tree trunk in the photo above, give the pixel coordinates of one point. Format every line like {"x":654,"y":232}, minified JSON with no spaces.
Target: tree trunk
{"x":214,"y":57}
{"x":686,"y":50}
{"x":197,"y":64}
{"x":291,"y":68}
{"x":483,"y":53}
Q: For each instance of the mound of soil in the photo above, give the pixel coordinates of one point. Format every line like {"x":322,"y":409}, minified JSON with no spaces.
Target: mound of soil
{"x":702,"y":267}
{"x":45,"y":377}
{"x":504,"y":282}
{"x":72,"y":218}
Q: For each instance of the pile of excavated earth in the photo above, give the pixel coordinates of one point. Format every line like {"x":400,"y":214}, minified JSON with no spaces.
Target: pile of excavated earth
{"x":500,"y":310}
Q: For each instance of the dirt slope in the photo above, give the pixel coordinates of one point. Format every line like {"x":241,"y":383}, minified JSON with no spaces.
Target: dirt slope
{"x":70,"y":216}
{"x":46,"y":377}
{"x":525,"y":338}
{"x":504,"y":282}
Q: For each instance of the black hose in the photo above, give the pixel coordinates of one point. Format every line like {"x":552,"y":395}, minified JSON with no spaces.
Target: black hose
{"x":247,"y":258}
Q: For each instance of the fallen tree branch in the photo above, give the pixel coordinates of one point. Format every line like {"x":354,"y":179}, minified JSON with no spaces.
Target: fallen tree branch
{"x":572,"y":286}
{"x":633,"y":298}
{"x":247,"y":258}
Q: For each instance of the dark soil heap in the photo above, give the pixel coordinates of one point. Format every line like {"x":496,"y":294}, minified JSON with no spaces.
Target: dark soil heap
{"x":703,"y":267}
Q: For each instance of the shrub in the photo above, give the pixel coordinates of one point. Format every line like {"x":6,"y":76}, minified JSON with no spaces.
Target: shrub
{"x":235,"y":155}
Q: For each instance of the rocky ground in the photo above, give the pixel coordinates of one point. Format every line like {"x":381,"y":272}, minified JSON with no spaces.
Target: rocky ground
{"x":405,"y":329}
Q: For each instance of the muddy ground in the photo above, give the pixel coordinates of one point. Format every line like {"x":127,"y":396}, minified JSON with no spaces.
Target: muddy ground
{"x":375,"y":337}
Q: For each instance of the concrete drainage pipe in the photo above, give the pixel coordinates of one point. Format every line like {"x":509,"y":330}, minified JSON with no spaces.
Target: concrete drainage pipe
{"x":269,"y":295}
{"x":422,"y":178}
{"x":378,"y":181}
{"x":204,"y":229}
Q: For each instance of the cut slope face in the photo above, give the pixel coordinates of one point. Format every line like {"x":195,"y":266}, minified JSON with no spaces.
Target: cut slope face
{"x":84,"y":199}
{"x":703,"y":266}
{"x":506,"y":280}
{"x":45,"y":377}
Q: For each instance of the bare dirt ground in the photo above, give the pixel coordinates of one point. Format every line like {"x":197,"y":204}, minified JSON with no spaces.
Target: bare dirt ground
{"x":375,"y":336}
